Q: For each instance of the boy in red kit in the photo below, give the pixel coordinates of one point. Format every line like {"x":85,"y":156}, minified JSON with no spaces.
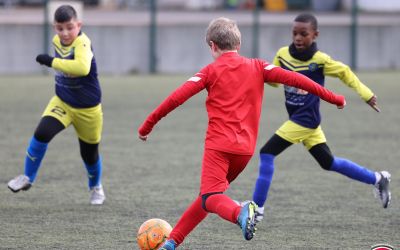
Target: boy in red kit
{"x":235,"y":87}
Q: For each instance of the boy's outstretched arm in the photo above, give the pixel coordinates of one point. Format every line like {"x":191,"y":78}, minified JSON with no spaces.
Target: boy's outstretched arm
{"x":178,"y":97}
{"x":346,"y":75}
{"x":277,"y":74}
{"x":162,"y":110}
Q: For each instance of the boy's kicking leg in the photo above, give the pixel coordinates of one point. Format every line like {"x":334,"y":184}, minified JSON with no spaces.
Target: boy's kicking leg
{"x":229,"y":210}
{"x":216,"y":176}
{"x":219,"y":170}
{"x":216,"y":203}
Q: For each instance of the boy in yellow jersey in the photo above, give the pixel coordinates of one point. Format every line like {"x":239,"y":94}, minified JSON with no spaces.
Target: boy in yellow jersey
{"x":303,"y":125}
{"x":77,"y":102}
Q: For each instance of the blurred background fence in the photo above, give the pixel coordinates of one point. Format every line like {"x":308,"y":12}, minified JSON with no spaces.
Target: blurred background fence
{"x":167,"y":36}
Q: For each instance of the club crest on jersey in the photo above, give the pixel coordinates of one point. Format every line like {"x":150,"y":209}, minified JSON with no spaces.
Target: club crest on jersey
{"x":313,"y":67}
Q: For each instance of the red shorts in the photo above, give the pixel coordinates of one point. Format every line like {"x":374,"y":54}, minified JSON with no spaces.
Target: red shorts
{"x":219,"y":169}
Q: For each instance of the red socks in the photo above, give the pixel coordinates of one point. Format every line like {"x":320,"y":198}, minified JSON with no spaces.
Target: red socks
{"x":224,"y":206}
{"x":220,"y":204}
{"x":188,"y":221}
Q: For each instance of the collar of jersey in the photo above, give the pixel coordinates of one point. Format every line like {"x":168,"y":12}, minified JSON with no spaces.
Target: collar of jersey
{"x":305,"y":55}
{"x":230,"y":53}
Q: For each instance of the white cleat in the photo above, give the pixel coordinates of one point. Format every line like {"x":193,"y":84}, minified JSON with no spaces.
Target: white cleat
{"x":97,"y":196}
{"x":382,"y":189}
{"x":259,"y":214}
{"x":21,"y":182}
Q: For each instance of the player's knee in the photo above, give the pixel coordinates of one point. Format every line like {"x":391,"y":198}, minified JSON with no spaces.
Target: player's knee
{"x":48,"y":128}
{"x":89,"y":152}
{"x":90,"y":159}
{"x":323,"y":155}
{"x":325,"y":165}
{"x":41,"y":136}
{"x":325,"y":162}
{"x":265,"y":149}
{"x":204,"y":198}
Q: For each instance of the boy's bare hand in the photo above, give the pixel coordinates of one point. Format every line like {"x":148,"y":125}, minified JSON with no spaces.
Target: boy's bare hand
{"x":143,"y":137}
{"x":373,"y":103}
{"x":342,"y":106}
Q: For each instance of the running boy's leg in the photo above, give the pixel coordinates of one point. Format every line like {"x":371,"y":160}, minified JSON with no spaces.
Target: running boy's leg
{"x":93,"y":164}
{"x":268,"y":152}
{"x":327,"y":161}
{"x":88,"y":124}
{"x":92,"y":160}
{"x":46,"y":130}
{"x":55,"y":118}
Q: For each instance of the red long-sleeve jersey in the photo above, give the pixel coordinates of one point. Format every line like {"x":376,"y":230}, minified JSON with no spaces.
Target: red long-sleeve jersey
{"x":235,"y":86}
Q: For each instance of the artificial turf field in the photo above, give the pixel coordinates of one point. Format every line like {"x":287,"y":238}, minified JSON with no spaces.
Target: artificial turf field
{"x":308,"y":208}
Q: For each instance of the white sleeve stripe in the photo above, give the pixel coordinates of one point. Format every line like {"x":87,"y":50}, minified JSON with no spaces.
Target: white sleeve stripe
{"x":269,"y":67}
{"x":194,"y":79}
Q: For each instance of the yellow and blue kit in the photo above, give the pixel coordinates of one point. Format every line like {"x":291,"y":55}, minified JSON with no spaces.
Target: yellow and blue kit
{"x":77,"y":102}
{"x":305,"y":118}
{"x":76,"y":77}
{"x":303,"y":108}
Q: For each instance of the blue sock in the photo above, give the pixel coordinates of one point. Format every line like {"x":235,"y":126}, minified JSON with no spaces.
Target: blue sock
{"x":353,"y":170}
{"x":94,"y":173}
{"x":34,"y":155}
{"x":266,"y":171}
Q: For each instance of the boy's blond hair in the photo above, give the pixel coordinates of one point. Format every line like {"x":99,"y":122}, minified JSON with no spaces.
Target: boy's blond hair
{"x":224,"y":33}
